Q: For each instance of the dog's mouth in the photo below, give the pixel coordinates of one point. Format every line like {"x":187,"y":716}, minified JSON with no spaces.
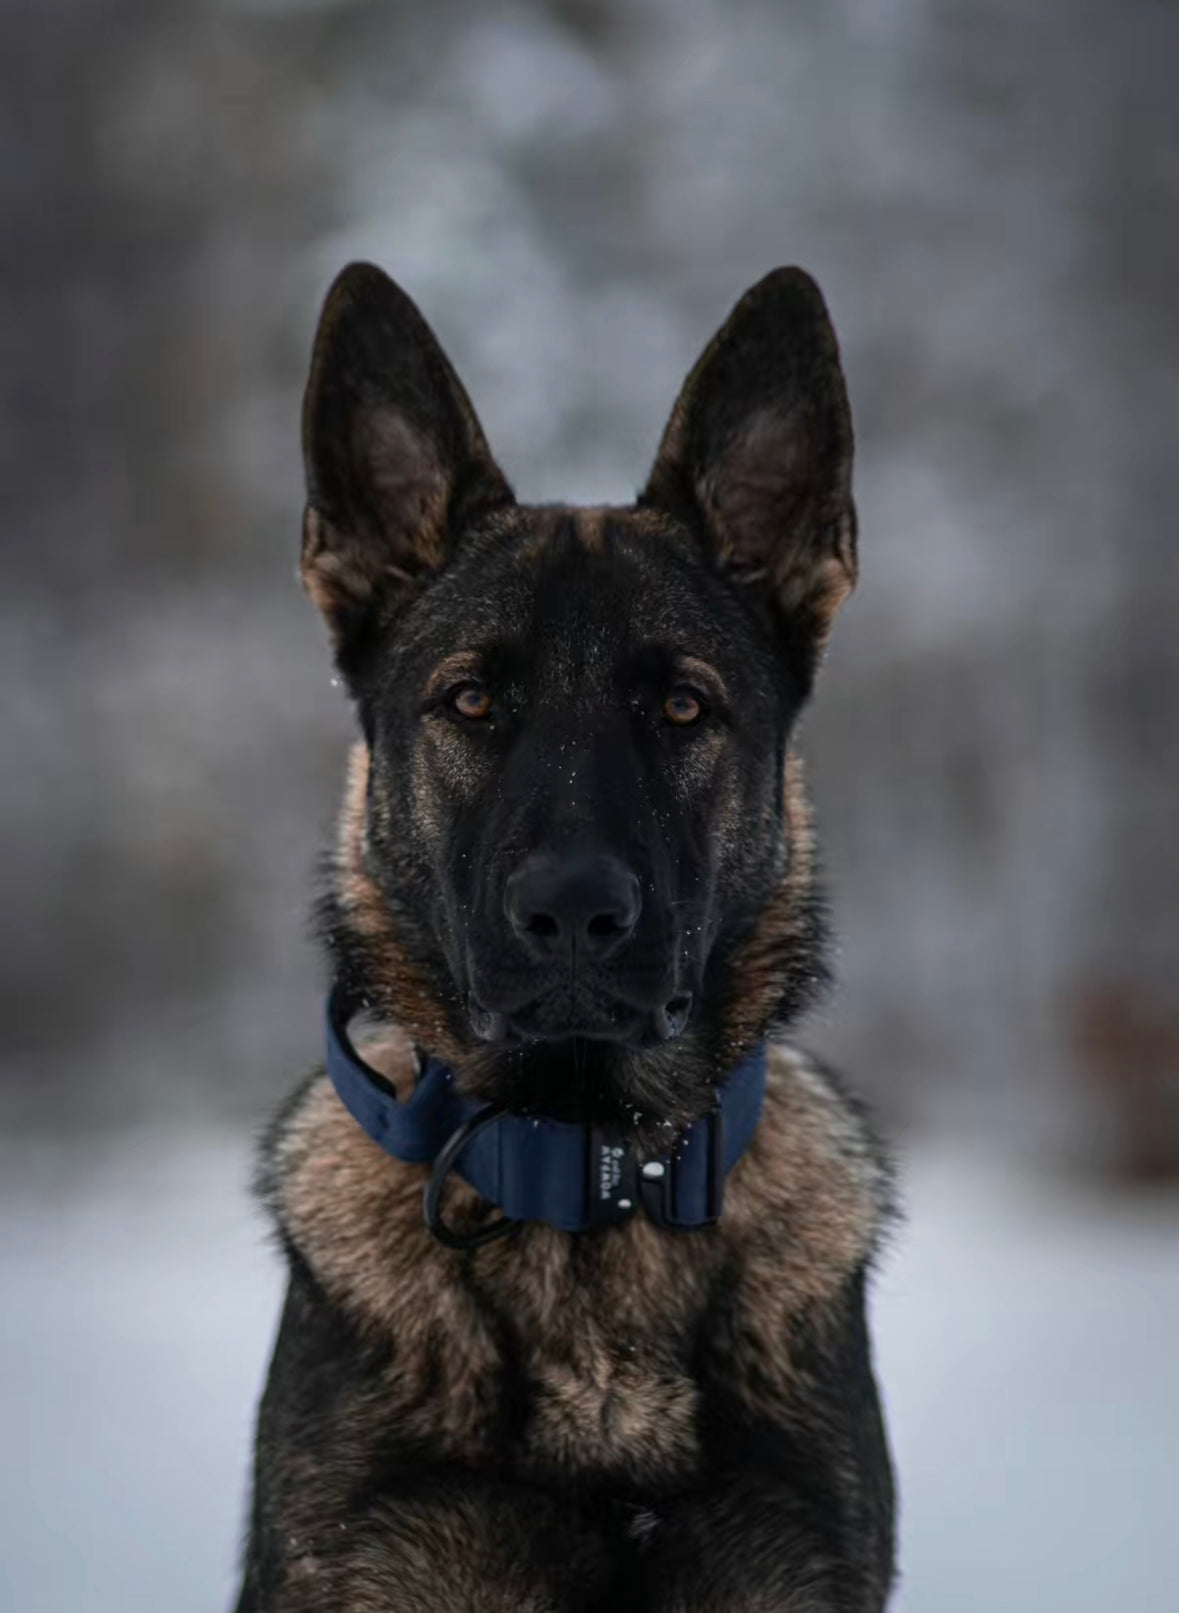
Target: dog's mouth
{"x":562,"y":1017}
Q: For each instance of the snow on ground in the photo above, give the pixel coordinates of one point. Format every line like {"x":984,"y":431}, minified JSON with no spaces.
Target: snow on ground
{"x":1026,"y":1342}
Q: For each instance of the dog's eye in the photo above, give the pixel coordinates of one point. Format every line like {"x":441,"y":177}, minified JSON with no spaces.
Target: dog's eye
{"x":471,"y":700}
{"x":683,"y":708}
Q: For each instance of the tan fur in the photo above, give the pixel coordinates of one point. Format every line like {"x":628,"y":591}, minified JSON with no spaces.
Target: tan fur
{"x":591,"y":528}
{"x":341,"y":574}
{"x":537,"y":538}
{"x":704,"y":673}
{"x":758,"y":966}
{"x":420,"y":1012}
{"x":341,"y":570}
{"x":452,"y":669}
{"x":602,"y":1321}
{"x":765,"y":469}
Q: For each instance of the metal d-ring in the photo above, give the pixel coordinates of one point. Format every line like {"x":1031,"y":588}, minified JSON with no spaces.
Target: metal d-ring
{"x":443,"y":1165}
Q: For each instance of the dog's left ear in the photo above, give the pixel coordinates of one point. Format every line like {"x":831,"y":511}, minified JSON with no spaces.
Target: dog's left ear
{"x":758,"y":453}
{"x":396,"y":462}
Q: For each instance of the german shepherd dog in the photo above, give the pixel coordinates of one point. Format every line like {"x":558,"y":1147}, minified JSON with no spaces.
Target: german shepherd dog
{"x":575,"y":874}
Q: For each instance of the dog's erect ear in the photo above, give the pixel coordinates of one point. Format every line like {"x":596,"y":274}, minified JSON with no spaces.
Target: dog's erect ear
{"x":395,"y":458}
{"x":758,"y":451}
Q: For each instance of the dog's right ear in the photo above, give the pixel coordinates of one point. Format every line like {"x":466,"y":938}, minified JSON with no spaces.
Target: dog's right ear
{"x":396,"y":461}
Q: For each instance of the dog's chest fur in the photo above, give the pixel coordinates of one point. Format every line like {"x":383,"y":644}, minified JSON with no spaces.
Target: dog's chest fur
{"x":581,"y":1355}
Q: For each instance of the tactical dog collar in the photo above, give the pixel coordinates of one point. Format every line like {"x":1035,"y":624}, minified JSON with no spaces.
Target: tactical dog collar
{"x":576,"y":1177}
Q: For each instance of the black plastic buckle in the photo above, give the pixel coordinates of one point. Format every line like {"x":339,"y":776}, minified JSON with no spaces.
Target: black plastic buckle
{"x":657,"y":1181}
{"x":443,"y":1165}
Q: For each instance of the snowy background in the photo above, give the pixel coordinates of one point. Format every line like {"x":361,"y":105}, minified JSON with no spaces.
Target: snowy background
{"x":1025,"y":1342}
{"x":576,"y":193}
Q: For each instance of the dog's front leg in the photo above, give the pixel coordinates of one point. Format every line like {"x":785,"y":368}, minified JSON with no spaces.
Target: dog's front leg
{"x":794,"y":1511}
{"x":350,"y":1515}
{"x":464,"y":1546}
{"x":756,"y":1548}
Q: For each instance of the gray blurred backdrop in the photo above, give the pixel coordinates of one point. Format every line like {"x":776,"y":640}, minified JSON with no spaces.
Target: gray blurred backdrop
{"x":575,"y":194}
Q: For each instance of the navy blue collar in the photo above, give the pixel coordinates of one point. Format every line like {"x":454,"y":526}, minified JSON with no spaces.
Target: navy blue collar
{"x":578,"y":1178}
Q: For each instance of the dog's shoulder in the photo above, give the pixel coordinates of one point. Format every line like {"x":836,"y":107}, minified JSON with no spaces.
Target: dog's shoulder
{"x":816,"y":1170}
{"x":351,"y":1212}
{"x":805,"y":1212}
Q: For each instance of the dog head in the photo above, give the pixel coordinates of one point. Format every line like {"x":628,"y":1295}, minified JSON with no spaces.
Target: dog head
{"x":574,"y":859}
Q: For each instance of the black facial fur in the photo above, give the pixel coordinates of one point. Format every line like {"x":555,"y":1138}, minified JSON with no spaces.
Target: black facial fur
{"x":578,"y":720}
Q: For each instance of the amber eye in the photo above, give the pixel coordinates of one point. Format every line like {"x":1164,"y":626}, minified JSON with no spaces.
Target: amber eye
{"x":682,"y":708}
{"x":472,"y":701}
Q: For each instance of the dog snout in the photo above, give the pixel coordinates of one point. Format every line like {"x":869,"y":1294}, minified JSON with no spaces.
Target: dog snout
{"x":560,"y":905}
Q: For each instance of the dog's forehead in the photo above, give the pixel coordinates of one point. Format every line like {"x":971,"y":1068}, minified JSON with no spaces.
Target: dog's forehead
{"x":580,"y":590}
{"x":602,"y":587}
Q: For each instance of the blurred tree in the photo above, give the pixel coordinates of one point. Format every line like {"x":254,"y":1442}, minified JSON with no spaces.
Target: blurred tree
{"x":575,"y":194}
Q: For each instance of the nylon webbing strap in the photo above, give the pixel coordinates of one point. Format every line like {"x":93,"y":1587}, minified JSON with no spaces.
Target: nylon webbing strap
{"x":572,"y":1176}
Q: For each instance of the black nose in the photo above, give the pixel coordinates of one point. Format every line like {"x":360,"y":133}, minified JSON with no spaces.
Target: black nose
{"x":566,"y":903}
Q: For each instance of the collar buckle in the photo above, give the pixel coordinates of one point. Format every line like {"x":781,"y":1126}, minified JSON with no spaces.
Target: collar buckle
{"x":658,"y":1179}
